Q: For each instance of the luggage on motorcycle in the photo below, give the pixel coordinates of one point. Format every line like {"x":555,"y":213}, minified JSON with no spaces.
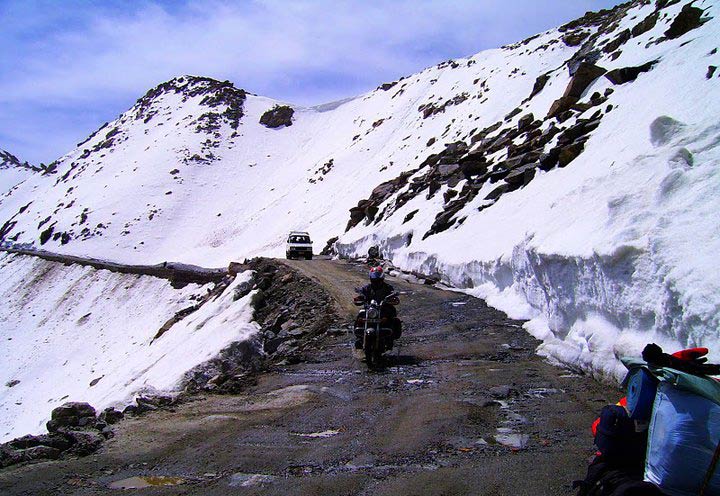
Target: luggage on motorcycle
{"x":684,"y":438}
{"x":684,"y":432}
{"x":641,"y":388}
{"x":619,"y":438}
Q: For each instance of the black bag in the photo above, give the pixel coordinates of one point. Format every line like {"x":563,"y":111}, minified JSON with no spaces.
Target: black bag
{"x":606,"y":479}
{"x":618,"y":440}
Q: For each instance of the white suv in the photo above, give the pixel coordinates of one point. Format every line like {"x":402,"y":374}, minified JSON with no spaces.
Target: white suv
{"x":298,"y":245}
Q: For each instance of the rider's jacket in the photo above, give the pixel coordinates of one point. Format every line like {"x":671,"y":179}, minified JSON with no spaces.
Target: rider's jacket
{"x":378,"y":291}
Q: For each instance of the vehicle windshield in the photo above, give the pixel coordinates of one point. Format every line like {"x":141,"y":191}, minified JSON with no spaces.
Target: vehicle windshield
{"x":299,"y":239}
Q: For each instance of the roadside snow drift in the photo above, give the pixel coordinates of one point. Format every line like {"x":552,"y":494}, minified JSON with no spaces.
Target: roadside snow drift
{"x":72,"y":333}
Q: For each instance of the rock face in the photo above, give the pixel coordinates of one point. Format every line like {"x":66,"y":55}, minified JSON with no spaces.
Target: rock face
{"x":278,"y":116}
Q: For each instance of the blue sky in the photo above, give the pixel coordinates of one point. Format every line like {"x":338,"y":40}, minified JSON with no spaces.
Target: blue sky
{"x":68,"y":66}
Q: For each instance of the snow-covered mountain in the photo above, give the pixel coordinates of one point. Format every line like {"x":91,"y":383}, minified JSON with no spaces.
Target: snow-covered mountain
{"x":570,"y":179}
{"x":12,"y":171}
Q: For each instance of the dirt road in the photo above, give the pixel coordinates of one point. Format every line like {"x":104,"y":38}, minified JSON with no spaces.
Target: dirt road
{"x":463,"y":407}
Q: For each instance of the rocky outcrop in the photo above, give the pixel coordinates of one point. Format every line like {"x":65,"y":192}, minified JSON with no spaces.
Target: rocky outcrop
{"x":585,"y":75}
{"x":73,"y":430}
{"x":291,"y":310}
{"x":278,"y":116}
{"x":629,"y":74}
{"x":689,"y":18}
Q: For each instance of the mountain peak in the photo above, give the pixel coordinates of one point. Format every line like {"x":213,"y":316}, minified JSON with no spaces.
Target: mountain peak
{"x":8,"y":160}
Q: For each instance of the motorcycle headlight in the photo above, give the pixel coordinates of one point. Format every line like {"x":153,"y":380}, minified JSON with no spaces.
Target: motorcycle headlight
{"x":373,"y":313}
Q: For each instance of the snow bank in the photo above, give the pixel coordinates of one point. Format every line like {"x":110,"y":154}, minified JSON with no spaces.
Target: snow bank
{"x":72,"y":333}
{"x":604,"y":257}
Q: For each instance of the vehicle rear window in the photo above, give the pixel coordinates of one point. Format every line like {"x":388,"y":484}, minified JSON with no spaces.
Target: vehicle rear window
{"x":299,"y":239}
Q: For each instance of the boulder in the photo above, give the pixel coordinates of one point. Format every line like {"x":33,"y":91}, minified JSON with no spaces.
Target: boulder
{"x":585,"y":75}
{"x":629,"y":74}
{"x":73,"y":414}
{"x":497,"y":192}
{"x":539,"y":85}
{"x":279,"y":115}
{"x":687,"y":20}
{"x":56,"y":440}
{"x":645,"y":25}
{"x":39,"y":453}
{"x":521,"y":176}
{"x":619,"y":40}
{"x":550,"y":159}
{"x":570,"y":152}
{"x":111,"y":416}
{"x":447,"y":169}
{"x":85,"y":442}
{"x":525,"y":122}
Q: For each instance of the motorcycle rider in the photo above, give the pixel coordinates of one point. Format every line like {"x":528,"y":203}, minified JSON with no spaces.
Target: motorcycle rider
{"x":377,"y":290}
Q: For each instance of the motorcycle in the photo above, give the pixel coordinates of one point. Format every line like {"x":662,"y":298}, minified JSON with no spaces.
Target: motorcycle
{"x":377,"y":331}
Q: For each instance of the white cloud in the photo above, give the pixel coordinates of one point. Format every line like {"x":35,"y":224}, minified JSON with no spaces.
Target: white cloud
{"x":300,"y":51}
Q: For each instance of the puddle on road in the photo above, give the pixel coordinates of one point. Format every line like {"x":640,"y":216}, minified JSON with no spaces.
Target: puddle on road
{"x":140,"y":482}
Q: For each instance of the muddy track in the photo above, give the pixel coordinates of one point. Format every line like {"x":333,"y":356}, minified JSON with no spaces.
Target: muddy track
{"x":464,"y":406}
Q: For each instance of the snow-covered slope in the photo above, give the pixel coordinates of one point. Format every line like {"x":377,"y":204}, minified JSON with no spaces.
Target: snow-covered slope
{"x":12,"y":171}
{"x":568,"y":178}
{"x":72,"y":333}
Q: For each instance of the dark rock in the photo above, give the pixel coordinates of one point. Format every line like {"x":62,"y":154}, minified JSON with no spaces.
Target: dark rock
{"x":619,"y":40}
{"x":539,"y":85}
{"x":447,"y":169}
{"x":45,"y":235}
{"x":131,"y":410}
{"x":561,"y":105}
{"x":629,"y":74}
{"x":409,"y":216}
{"x":525,"y":122}
{"x":512,"y":114}
{"x":387,"y":86}
{"x":711,"y":71}
{"x":111,"y":416}
{"x":587,"y":54}
{"x":645,"y":25}
{"x":12,"y":383}
{"x":521,"y":176}
{"x":687,"y":20}
{"x":575,"y":38}
{"x":497,"y":192}
{"x":570,"y":152}
{"x":84,"y":442}
{"x":585,"y":75}
{"x":473,"y":168}
{"x":550,"y":159}
{"x":502,"y":392}
{"x":73,"y":414}
{"x":57,"y":441}
{"x":39,"y":453}
{"x":581,"y":128}
{"x":280,"y":115}
{"x":430,"y":142}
